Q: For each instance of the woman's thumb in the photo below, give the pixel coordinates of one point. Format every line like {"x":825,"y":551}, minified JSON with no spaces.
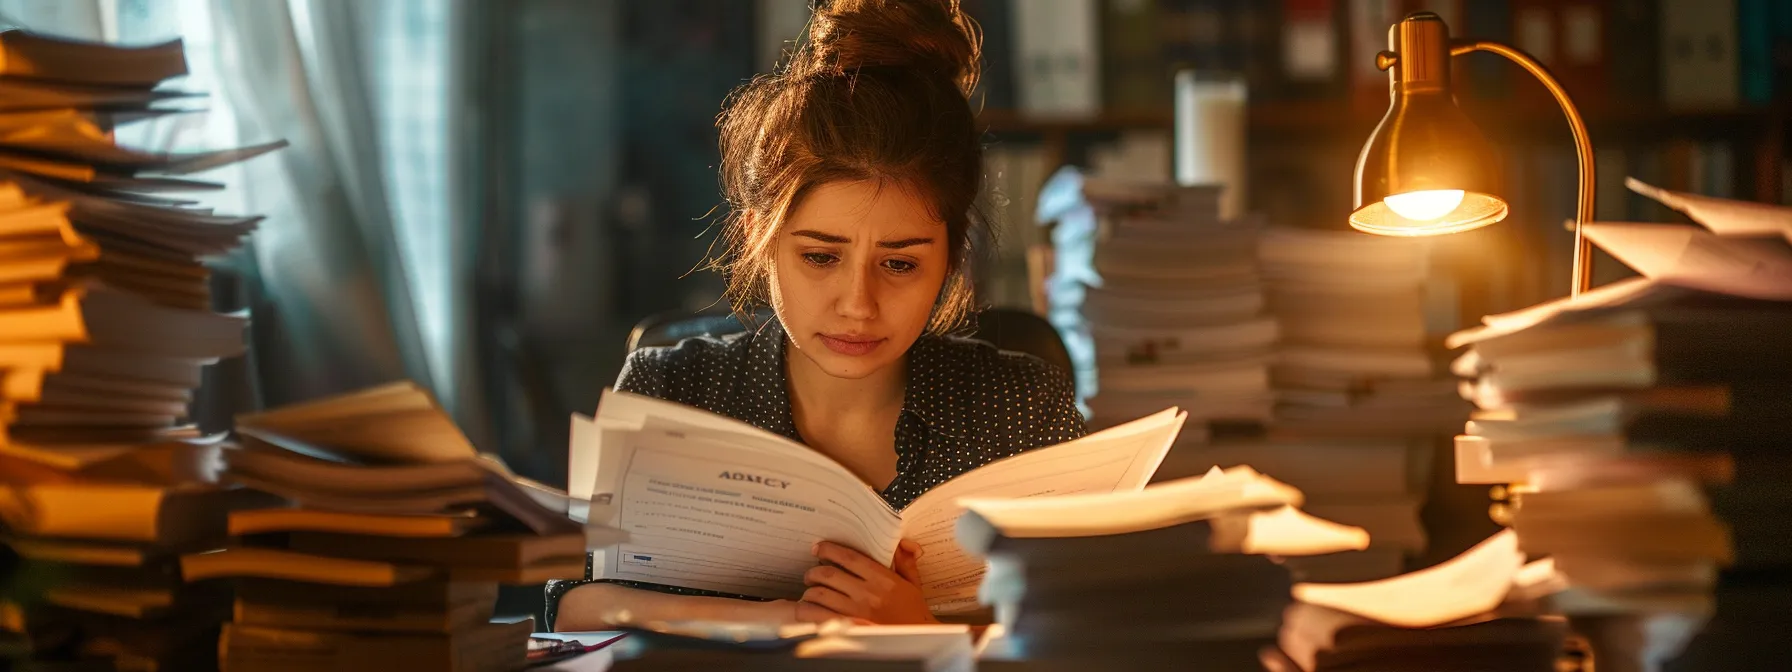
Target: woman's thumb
{"x":908,"y":561}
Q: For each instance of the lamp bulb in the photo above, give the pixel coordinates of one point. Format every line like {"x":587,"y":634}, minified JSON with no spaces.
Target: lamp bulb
{"x":1424,"y":206}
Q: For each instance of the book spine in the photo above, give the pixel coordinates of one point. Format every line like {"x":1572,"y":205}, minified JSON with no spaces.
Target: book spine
{"x":1781,"y":53}
{"x":1133,"y":75}
{"x":1584,"y":67}
{"x":995,"y":88}
{"x":1634,"y":51}
{"x":1369,"y":23}
{"x":1699,"y":59}
{"x":1487,"y":75}
{"x":1754,"y":43}
{"x":1309,"y":48}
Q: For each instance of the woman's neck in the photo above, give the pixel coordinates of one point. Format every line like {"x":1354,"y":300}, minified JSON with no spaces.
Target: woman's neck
{"x":817,"y":394}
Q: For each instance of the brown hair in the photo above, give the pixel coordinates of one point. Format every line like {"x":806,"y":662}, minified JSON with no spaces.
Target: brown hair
{"x":879,"y":90}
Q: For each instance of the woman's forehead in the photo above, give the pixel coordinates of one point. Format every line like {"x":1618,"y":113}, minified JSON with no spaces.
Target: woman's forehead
{"x":880,"y":208}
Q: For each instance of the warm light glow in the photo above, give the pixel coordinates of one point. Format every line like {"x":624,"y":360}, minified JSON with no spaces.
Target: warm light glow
{"x":1424,"y":206}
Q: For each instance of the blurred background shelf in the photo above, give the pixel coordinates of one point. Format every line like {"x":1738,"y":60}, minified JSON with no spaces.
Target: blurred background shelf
{"x":1336,"y":117}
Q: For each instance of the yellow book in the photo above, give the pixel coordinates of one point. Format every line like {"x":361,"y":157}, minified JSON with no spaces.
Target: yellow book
{"x":270,"y":563}
{"x":262,"y":521}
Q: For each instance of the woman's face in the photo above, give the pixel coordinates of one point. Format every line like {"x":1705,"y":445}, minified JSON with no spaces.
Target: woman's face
{"x":858,"y":267}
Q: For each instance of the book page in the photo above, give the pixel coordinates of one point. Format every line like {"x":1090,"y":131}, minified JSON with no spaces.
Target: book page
{"x":718,"y":511}
{"x":1122,"y":458}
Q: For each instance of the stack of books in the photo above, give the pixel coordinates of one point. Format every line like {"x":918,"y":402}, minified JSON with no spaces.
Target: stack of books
{"x":1170,"y":298}
{"x":1146,"y":580}
{"x":1642,"y":426}
{"x":1474,"y":612}
{"x":391,"y":555}
{"x":106,"y":324}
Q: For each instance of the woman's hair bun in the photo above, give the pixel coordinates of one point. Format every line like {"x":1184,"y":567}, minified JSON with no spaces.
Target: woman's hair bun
{"x":929,"y":35}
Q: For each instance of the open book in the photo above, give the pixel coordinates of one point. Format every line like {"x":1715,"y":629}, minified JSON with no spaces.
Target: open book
{"x":712,"y":503}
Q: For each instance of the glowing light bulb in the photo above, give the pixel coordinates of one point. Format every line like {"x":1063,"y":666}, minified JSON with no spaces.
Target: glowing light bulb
{"x":1424,"y":206}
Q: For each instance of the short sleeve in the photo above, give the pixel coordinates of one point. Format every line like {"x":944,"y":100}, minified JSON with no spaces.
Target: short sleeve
{"x":644,"y":373}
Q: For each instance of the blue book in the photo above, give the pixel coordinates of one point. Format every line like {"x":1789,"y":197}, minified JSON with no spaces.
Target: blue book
{"x":1755,"y":42}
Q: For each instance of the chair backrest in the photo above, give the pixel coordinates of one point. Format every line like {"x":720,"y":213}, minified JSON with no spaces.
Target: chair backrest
{"x":670,"y":327}
{"x":1005,"y":328}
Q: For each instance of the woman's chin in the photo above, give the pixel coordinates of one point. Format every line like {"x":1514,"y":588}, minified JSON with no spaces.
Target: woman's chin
{"x":851,"y":368}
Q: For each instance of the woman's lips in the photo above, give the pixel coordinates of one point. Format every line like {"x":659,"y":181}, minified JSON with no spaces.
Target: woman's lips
{"x":851,"y":345}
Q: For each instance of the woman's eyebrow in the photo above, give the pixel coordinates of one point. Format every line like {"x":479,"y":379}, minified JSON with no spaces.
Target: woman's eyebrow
{"x":842,"y":240}
{"x":823,"y":237}
{"x":905,"y":242}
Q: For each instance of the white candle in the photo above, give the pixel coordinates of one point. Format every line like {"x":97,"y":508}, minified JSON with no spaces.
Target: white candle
{"x":1210,"y":135}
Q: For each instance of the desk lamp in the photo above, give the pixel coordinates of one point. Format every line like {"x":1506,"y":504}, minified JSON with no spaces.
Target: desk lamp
{"x":1426,"y":169}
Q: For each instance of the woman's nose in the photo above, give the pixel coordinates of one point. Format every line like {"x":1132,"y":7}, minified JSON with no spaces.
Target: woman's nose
{"x":860,"y":300}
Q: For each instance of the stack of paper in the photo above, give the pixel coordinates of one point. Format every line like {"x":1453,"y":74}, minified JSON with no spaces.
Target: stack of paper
{"x":1146,"y":580}
{"x":1458,"y":615}
{"x":1643,"y":423}
{"x":1359,"y":404}
{"x":1375,"y":484}
{"x":106,"y":323}
{"x":1353,"y":356}
{"x":1163,"y":300}
{"x":391,"y":555}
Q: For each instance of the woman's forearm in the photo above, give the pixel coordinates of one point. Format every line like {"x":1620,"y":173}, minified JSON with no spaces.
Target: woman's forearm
{"x":587,"y":607}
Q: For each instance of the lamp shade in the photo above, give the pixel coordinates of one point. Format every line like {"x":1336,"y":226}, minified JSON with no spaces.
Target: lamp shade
{"x":1426,"y":170}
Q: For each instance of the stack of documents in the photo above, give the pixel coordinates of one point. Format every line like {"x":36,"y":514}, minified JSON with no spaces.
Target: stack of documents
{"x":712,"y":503}
{"x":1145,"y":580}
{"x":1353,"y":357}
{"x":106,"y":325}
{"x":398,"y":536}
{"x":1360,"y":407}
{"x":1459,"y":615}
{"x":1167,"y":295}
{"x":1643,"y":424}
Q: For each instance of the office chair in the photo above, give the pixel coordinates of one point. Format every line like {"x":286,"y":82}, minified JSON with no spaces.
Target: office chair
{"x":1006,"y":328}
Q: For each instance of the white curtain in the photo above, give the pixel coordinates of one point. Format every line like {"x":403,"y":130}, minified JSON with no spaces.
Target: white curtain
{"x":351,"y":275}
{"x":335,"y":309}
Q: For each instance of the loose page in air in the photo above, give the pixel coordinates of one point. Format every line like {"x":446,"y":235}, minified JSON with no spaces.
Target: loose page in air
{"x":712,"y":503}
{"x":1727,"y":217}
{"x":1752,"y":266}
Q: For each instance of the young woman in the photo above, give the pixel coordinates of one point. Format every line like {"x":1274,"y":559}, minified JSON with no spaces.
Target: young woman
{"x":851,"y":176}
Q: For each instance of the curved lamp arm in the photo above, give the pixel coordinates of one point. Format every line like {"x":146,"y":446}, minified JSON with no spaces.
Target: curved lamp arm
{"x":1583,"y":150}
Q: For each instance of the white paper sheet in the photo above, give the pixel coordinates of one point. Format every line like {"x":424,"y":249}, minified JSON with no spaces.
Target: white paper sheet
{"x":1469,"y":584}
{"x":1752,"y":266}
{"x":712,"y":503}
{"x":1725,"y":216}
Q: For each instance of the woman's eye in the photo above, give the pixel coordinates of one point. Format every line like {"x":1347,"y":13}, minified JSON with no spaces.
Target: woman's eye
{"x":819,"y":258}
{"x":899,"y":266}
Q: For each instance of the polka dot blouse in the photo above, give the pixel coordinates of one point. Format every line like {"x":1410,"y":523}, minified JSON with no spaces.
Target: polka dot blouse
{"x":967,"y":404}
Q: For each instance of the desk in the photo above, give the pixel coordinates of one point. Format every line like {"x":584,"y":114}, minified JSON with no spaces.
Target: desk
{"x":596,"y":661}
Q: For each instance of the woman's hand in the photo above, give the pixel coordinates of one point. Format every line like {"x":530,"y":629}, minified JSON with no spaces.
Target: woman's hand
{"x":854,"y":586}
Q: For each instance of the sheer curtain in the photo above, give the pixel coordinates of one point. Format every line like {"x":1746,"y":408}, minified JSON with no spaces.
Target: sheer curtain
{"x":351,"y":277}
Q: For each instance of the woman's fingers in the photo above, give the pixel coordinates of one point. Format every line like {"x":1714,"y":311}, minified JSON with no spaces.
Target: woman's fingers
{"x":853,"y":587}
{"x":835,"y":601}
{"x":809,"y":612}
{"x":852,"y":561}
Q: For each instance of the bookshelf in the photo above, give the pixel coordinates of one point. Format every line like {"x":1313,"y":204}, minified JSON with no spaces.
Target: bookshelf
{"x":1270,"y":123}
